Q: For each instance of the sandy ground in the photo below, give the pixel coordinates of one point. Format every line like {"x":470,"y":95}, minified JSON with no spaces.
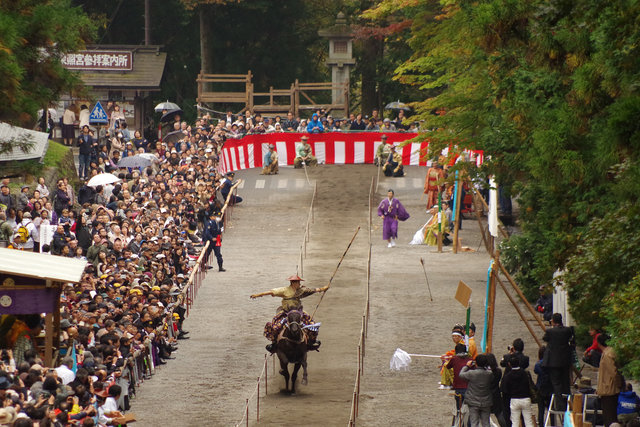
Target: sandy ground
{"x":217,"y":369}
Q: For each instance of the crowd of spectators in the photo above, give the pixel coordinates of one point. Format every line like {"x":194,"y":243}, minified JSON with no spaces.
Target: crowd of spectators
{"x":237,"y":126}
{"x":140,"y":238}
{"x":507,"y":389}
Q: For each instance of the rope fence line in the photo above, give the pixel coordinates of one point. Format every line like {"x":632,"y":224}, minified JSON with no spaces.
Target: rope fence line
{"x":355,"y":402}
{"x":188,"y":293}
{"x":305,"y":237}
{"x":264,"y":375}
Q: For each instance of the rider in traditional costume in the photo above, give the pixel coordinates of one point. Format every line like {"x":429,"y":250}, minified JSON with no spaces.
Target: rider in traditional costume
{"x":291,"y":300}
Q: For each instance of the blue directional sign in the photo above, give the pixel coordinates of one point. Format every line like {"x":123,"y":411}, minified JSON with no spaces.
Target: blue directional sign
{"x":98,"y":115}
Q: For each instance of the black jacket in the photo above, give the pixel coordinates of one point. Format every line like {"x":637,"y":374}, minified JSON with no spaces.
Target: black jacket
{"x":559,"y":351}
{"x":515,"y":384}
{"x":86,"y":147}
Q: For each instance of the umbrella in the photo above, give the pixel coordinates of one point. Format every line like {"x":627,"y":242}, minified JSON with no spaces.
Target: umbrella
{"x":149,"y":156}
{"x":169,"y":115}
{"x":134,"y":162}
{"x":103,"y":179}
{"x":165,"y":106}
{"x":174,"y":136}
{"x":397,"y":105}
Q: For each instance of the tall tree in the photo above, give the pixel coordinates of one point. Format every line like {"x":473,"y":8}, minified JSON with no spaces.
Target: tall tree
{"x":33,"y":37}
{"x":548,"y":90}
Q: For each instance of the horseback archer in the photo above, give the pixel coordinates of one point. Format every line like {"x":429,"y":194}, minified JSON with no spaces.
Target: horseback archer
{"x":291,"y":300}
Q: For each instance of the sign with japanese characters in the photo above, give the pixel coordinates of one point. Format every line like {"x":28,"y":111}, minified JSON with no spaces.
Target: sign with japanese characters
{"x":107,"y":60}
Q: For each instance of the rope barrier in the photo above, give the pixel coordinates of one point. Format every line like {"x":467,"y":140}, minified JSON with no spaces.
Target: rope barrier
{"x":355,"y":401}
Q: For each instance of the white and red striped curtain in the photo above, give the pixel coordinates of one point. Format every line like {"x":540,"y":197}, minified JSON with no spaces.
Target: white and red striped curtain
{"x":329,"y":148}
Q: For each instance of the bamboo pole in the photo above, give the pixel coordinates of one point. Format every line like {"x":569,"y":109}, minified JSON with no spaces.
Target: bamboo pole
{"x":336,"y":270}
{"x":457,"y":214}
{"x":491,"y":309}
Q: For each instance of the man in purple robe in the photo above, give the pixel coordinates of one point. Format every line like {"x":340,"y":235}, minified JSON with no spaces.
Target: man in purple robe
{"x":391,"y":210}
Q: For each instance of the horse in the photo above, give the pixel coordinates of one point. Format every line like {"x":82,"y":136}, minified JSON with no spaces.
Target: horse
{"x":292,"y":348}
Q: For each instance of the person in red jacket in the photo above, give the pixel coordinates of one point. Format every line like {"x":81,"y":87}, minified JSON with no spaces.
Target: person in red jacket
{"x":593,"y":354}
{"x":456,"y":363}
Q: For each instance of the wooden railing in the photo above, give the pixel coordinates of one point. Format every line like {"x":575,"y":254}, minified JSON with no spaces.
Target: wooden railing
{"x":298,"y":97}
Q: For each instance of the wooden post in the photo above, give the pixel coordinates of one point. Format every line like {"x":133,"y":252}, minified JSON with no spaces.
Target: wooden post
{"x":457,"y":213}
{"x":247,"y":412}
{"x":297,"y":98}
{"x":48,"y":340}
{"x":258,"y":402}
{"x":491,"y":308}
{"x":266,"y":376}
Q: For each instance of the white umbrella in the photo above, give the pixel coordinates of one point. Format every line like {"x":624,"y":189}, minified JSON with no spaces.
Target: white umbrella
{"x":165,"y":106}
{"x":149,"y":156}
{"x":103,"y":179}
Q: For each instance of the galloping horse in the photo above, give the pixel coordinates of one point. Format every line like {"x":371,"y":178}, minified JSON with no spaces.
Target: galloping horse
{"x":292,"y":348}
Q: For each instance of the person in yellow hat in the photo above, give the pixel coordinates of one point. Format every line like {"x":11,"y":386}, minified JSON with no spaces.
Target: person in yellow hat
{"x":291,"y":300}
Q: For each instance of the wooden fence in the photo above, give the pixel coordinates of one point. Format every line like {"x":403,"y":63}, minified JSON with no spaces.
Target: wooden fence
{"x":298,"y":97}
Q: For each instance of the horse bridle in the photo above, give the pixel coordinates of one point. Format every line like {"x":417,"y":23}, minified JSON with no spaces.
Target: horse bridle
{"x":286,"y":326}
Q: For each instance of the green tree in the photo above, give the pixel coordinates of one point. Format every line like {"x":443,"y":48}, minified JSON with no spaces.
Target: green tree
{"x":547,"y":89}
{"x":33,"y":36}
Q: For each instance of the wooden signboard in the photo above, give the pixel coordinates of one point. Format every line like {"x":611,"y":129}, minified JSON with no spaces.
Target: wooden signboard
{"x":463,"y":294}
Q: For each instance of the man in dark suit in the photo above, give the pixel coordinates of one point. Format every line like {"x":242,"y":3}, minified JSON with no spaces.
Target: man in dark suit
{"x":558,"y":357}
{"x":225,"y":189}
{"x":86,"y":144}
{"x":213,"y":229}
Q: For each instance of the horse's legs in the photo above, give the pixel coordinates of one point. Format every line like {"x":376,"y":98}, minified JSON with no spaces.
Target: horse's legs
{"x":304,"y":370}
{"x":284,"y":371}
{"x":294,"y":376}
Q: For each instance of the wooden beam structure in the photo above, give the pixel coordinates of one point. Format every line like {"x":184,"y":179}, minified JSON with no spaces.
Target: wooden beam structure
{"x":280,"y":101}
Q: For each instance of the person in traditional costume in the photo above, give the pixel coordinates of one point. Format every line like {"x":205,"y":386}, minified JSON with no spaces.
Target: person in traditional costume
{"x":391,"y":210}
{"x":446,"y":374}
{"x":291,"y":300}
{"x":433,"y":184}
{"x":270,"y":164}
{"x":304,"y":154}
{"x":393,"y":165}
{"x":432,"y":229}
{"x":383,"y":151}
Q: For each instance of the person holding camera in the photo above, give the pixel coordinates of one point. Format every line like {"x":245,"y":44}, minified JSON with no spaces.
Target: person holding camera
{"x":479,"y":395}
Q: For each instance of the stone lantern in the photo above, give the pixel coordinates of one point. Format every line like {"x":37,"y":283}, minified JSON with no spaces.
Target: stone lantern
{"x":340,"y":58}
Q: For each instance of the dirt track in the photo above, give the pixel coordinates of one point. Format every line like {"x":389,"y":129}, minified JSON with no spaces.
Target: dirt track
{"x":216,"y":370}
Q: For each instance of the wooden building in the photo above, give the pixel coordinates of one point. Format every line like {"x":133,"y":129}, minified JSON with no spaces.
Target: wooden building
{"x":31,"y":283}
